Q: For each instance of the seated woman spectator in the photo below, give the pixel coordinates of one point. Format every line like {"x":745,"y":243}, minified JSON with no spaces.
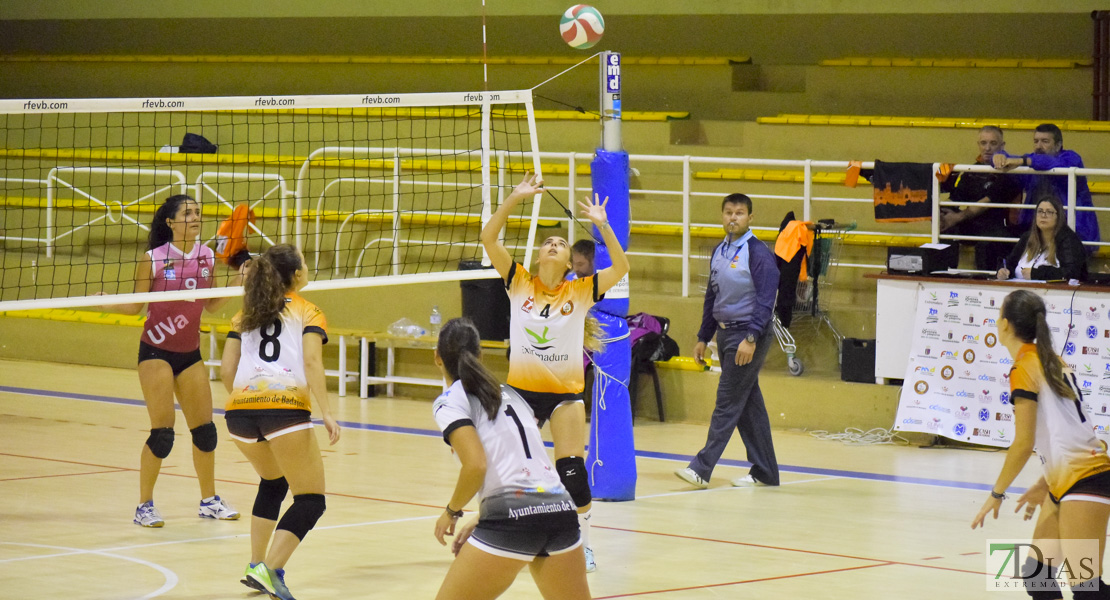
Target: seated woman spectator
{"x":1049,"y":250}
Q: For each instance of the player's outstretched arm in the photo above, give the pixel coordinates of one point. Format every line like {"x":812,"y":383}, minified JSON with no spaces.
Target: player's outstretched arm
{"x":498,"y":255}
{"x":608,"y":277}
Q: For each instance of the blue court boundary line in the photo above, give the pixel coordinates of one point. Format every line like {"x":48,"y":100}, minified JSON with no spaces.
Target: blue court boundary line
{"x":845,"y":474}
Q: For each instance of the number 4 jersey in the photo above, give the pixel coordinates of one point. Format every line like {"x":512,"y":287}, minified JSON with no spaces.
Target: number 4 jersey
{"x":271,"y":359}
{"x":547,"y":328}
{"x":516,"y":459}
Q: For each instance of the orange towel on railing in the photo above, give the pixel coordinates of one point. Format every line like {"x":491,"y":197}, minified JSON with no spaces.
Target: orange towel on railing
{"x":794,"y":236}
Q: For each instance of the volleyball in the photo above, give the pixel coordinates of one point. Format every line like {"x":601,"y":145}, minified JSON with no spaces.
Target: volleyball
{"x":581,"y":26}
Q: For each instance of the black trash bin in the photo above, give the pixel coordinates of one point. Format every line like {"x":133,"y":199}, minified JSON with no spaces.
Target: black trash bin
{"x":485,"y":303}
{"x":857,"y":360}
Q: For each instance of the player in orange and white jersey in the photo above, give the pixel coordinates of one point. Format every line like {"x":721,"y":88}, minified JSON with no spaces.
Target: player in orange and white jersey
{"x":1074,"y":491}
{"x":271,"y":367}
{"x":547,"y":327}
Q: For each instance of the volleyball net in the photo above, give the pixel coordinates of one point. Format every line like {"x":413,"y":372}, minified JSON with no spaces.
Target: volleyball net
{"x":379,"y":189}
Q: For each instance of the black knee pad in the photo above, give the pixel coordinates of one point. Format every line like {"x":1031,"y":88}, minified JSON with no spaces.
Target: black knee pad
{"x":160,"y":441}
{"x":204,"y":437}
{"x":302,"y":516}
{"x":572,"y":472}
{"x":1101,"y":593}
{"x":267,"y":502}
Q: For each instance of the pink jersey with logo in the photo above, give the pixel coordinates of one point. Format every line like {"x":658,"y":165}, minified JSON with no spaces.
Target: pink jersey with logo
{"x":175,"y":325}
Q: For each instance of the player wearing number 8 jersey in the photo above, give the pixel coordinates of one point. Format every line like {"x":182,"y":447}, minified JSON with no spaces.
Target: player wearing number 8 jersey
{"x":547,"y":331}
{"x":271,"y":366}
{"x":526,"y":515}
{"x":169,"y":354}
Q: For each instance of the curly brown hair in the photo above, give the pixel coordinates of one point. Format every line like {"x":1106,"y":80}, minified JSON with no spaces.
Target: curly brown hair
{"x":269,"y":278}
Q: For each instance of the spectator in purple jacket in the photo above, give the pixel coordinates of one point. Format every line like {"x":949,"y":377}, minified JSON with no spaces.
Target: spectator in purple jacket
{"x":1048,"y":153}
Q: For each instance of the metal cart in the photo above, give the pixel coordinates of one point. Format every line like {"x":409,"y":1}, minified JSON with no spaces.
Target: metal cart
{"x":828,"y":237}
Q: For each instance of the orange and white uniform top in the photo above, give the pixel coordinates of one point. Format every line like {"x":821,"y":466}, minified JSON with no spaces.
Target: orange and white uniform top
{"x":1065,"y":440}
{"x":547,"y":328}
{"x":271,"y":359}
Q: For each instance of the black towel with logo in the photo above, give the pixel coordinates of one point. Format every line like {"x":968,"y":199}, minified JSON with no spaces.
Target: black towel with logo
{"x":903,"y":192}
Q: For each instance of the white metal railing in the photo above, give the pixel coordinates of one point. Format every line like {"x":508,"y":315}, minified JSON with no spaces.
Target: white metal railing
{"x":681,"y":185}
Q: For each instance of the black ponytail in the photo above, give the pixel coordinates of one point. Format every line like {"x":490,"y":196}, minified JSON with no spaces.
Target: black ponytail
{"x":1026,"y":313}
{"x":459,"y":348}
{"x":160,"y":232}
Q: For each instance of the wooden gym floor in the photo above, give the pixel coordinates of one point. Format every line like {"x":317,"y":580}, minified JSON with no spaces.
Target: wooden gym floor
{"x":849,"y":521}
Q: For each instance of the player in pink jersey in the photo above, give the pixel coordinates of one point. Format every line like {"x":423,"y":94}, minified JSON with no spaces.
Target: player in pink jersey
{"x":169,"y":354}
{"x":547,"y":330}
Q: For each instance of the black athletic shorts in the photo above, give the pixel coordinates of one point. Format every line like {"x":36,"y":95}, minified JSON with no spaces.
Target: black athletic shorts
{"x":1095,"y":488}
{"x":251,"y":425}
{"x":179,"y":361}
{"x":543,"y":404}
{"x":523,"y":526}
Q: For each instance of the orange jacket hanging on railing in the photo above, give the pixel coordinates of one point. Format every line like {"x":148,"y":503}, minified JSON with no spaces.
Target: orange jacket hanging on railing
{"x":794,"y":236}
{"x":231,"y":234}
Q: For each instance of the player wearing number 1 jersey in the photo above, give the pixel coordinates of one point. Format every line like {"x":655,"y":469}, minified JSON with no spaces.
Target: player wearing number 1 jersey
{"x":169,"y":354}
{"x":526,"y":515}
{"x":272,"y":368}
{"x":547,"y":333}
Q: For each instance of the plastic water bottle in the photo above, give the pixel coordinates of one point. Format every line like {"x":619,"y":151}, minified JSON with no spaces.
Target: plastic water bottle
{"x":435,"y":320}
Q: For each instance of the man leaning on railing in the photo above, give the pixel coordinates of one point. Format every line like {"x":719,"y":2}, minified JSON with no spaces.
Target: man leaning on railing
{"x":1048,"y":153}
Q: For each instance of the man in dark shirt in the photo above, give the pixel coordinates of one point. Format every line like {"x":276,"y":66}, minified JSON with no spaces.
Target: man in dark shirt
{"x":985,"y":189}
{"x":740,"y":297}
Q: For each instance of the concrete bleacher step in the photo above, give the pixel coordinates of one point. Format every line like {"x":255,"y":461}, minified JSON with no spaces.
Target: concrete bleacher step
{"x":934,"y":122}
{"x":965,"y":63}
{"x":371,"y":60}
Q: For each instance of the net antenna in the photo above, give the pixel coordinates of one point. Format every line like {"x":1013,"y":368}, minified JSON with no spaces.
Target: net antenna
{"x":378,"y":189}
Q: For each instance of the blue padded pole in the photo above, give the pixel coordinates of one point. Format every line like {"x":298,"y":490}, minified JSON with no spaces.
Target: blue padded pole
{"x":612,"y":455}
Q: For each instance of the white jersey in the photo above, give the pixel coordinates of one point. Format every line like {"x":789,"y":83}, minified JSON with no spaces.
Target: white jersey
{"x":271,"y":359}
{"x":516,"y":459}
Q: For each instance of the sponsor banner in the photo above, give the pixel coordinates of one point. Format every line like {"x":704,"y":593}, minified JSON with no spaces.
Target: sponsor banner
{"x":957,"y":382}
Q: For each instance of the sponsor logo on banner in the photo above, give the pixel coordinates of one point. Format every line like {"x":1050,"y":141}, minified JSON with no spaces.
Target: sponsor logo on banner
{"x":988,"y":322}
{"x":1092,"y":313}
{"x":971,"y":320}
{"x":951,"y":317}
{"x":981,"y":432}
{"x":992,"y":301}
{"x":1090,"y":350}
{"x":971,"y":339}
{"x":950,"y":338}
{"x":972,"y":300}
{"x":1092,"y":332}
{"x":1004,"y":397}
{"x":932,"y":317}
{"x":925,"y":371}
{"x":1102,"y":429}
{"x":969,"y":356}
{"x":932,"y":299}
{"x":1071,"y":311}
{"x":921,"y":387}
{"x":912,"y":421}
{"x":1088,"y":370}
{"x":990,"y":340}
{"x":1069,"y":348}
{"x":948,"y":354}
{"x":984,"y":414}
{"x":963,"y":413}
{"x":959,"y":429}
{"x":964,"y":394}
{"x":1003,"y":417}
{"x":946,"y":372}
{"x":940,"y":409}
{"x":990,"y":378}
{"x":1005,"y":361}
{"x":953,"y":299}
{"x":930,"y":334}
{"x":1000,"y":436}
{"x":933,"y":425}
